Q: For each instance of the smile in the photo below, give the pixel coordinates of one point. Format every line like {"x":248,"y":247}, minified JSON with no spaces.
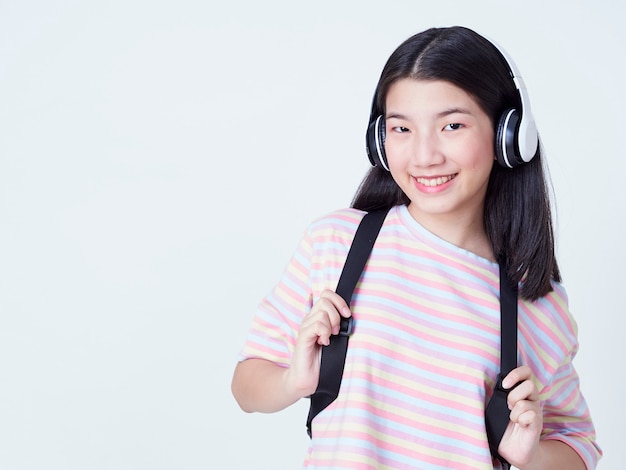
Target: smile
{"x":431,"y":182}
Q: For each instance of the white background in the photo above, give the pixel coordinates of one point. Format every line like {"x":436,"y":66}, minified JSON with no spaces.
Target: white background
{"x":159,"y":161}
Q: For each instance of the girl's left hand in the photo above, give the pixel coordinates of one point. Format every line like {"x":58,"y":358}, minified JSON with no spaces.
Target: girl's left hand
{"x":520,"y":442}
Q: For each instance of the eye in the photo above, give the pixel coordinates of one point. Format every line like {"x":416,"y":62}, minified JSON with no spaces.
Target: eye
{"x":400,"y":129}
{"x":453,"y":126}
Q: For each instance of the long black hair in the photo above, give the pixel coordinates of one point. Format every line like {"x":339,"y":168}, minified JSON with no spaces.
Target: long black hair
{"x":517,"y":214}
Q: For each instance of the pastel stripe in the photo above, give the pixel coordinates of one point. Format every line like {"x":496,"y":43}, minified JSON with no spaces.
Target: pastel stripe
{"x":425,"y":351}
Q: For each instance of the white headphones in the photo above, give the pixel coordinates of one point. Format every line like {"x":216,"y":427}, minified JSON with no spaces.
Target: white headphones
{"x":516,"y":133}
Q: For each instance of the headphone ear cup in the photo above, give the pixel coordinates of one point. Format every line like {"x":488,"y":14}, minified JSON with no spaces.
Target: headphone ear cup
{"x":506,"y":139}
{"x":375,"y":143}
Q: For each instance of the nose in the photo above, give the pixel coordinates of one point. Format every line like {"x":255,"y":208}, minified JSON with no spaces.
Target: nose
{"x":427,"y":150}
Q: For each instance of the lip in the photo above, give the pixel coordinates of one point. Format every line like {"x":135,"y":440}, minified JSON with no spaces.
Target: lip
{"x":433,"y":184}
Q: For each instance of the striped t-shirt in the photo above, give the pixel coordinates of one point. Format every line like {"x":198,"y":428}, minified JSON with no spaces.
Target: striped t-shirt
{"x":425,"y":350}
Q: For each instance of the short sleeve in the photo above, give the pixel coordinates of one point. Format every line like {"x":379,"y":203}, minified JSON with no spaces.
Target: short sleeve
{"x":273,"y":332}
{"x":549,"y":343}
{"x":566,"y":416}
{"x":315,"y":265}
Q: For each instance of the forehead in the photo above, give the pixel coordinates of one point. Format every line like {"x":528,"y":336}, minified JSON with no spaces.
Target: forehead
{"x":426,"y":96}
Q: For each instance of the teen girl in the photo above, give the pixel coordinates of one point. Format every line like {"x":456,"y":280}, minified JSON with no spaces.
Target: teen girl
{"x":425,"y":351}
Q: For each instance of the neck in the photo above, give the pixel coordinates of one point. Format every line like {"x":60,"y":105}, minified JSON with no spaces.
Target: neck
{"x":465,"y":231}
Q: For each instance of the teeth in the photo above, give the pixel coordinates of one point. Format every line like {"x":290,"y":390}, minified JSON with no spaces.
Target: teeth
{"x":434,"y":181}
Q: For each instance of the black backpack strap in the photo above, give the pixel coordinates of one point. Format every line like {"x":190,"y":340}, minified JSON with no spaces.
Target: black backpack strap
{"x":334,"y":355}
{"x":497,"y":412}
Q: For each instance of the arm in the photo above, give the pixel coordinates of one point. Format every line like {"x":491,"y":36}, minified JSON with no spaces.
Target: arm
{"x":555,"y":454}
{"x":521,"y":444}
{"x":261,"y":385}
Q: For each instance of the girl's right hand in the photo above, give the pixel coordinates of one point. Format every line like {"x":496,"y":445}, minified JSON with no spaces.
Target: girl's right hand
{"x":315,"y":331}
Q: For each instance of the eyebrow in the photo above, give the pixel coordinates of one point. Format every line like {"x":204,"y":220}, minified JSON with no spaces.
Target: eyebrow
{"x":449,"y":111}
{"x":444,"y":113}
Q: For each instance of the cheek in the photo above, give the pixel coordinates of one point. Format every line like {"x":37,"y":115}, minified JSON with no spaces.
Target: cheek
{"x":483,"y":155}
{"x":398,"y":150}
{"x":396,"y":164}
{"x":482,"y":160}
{"x":394,"y":157}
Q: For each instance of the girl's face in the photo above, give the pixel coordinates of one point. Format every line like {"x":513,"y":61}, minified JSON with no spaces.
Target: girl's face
{"x":440,"y":149}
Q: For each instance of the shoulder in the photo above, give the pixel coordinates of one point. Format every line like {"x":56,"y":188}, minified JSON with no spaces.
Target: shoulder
{"x":333,"y":234}
{"x":347,"y":218}
{"x":337,"y":225}
{"x":342,"y":224}
{"x":552,"y":311}
{"x":549,"y":331}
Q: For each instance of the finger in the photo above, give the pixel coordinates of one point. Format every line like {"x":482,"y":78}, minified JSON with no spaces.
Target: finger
{"x":336,"y":308}
{"x":525,"y":413}
{"x":318,"y":328}
{"x":323,"y":337}
{"x":338,"y":302}
{"x":326,"y":315}
{"x":324,"y":310}
{"x":525,"y":391}
{"x":519,"y":374}
{"x":528,"y":418}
